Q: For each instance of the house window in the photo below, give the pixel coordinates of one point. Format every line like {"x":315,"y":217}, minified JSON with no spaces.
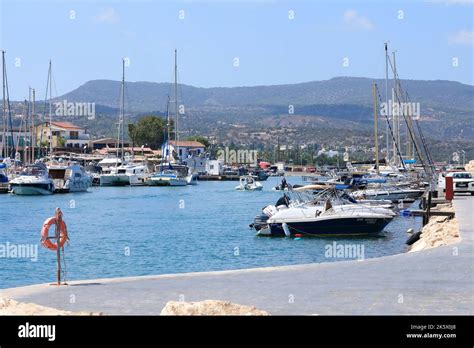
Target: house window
{"x":73,"y":135}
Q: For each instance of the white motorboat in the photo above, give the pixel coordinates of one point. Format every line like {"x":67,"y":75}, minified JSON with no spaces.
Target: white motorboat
{"x":69,"y":178}
{"x":192,"y":179}
{"x":248,"y":183}
{"x":124,"y":175}
{"x":168,"y":177}
{"x":393,"y":194}
{"x":323,"y":220}
{"x":33,"y":180}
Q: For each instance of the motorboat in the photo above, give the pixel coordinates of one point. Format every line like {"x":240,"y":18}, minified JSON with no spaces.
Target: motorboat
{"x":330,"y":212}
{"x":33,"y":180}
{"x":192,"y":179}
{"x":248,"y":183}
{"x":167,"y":177}
{"x":393,"y":193}
{"x":69,"y":178}
{"x":124,"y":175}
{"x":324,"y":220}
{"x":3,"y":178}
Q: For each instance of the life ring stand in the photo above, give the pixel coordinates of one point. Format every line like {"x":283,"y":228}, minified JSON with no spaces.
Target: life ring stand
{"x":63,"y":237}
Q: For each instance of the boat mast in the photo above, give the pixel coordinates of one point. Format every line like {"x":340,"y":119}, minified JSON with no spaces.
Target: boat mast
{"x":374,"y":91}
{"x":4,"y":113}
{"x":176,"y":102}
{"x":386,"y":106}
{"x":168,"y":130}
{"x":50,"y":111}
{"x":33,"y":133}
{"x":397,"y":97}
{"x":123,"y":103}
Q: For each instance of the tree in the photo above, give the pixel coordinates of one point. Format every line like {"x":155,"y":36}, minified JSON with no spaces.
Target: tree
{"x":149,"y":131}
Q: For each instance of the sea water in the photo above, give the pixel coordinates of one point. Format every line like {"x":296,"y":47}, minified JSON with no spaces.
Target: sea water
{"x":132,"y":231}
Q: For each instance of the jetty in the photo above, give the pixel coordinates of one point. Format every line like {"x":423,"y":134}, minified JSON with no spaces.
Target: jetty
{"x":436,"y":281}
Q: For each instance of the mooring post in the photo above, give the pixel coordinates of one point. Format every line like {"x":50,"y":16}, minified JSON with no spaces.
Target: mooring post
{"x":428,"y":208}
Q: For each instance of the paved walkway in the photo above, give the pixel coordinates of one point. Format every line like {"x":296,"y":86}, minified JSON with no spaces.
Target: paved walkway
{"x":435,"y":281}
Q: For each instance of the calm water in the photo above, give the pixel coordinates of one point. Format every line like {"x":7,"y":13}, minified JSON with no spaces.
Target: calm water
{"x":166,"y":230}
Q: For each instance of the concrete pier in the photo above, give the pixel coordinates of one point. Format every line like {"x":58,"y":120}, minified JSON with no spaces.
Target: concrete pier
{"x":438,"y":281}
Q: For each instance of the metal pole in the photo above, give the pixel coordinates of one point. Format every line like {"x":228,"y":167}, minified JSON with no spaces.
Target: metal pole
{"x":176,"y":102}
{"x":374,"y":90}
{"x":386,"y":105}
{"x":58,"y":215}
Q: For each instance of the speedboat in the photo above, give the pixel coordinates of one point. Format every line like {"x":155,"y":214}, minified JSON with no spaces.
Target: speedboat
{"x":168,"y":177}
{"x":33,"y":180}
{"x":325,"y":220}
{"x":248,"y":183}
{"x":329,"y":213}
{"x":69,"y":178}
{"x":393,"y":194}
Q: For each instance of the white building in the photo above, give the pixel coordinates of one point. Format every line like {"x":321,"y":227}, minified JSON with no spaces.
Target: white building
{"x":185,"y":148}
{"x":215,"y":167}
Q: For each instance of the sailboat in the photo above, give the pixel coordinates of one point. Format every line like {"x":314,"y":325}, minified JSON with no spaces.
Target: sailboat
{"x":123,"y":173}
{"x":171,"y":175}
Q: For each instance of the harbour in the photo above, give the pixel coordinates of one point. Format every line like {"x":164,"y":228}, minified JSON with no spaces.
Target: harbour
{"x":285,"y":165}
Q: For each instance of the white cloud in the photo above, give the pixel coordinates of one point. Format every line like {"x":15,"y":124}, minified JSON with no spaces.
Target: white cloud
{"x":357,"y":21}
{"x":462,"y":37}
{"x":109,"y":16}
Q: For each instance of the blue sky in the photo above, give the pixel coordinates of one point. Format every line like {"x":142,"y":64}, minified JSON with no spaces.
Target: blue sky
{"x":272,"y":48}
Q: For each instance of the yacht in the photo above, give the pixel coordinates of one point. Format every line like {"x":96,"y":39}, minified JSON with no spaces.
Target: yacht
{"x":33,"y":180}
{"x":167,"y":177}
{"x":125,"y":175}
{"x":69,"y":178}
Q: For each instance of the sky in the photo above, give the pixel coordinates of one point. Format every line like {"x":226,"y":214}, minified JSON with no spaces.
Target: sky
{"x":226,"y":43}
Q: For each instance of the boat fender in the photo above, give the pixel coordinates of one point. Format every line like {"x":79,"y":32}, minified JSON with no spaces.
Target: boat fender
{"x":45,"y":241}
{"x":413,"y":238}
{"x":286,"y":229}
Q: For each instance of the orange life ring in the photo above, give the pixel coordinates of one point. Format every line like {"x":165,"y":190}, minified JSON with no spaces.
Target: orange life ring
{"x":45,"y":239}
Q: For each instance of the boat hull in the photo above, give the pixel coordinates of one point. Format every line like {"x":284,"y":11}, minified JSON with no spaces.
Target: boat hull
{"x":114,"y":180}
{"x":162,"y":182}
{"x":352,"y":226}
{"x":32,"y":189}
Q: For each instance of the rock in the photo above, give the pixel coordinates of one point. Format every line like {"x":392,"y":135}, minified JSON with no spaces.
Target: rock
{"x":12,"y":307}
{"x":209,"y":307}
